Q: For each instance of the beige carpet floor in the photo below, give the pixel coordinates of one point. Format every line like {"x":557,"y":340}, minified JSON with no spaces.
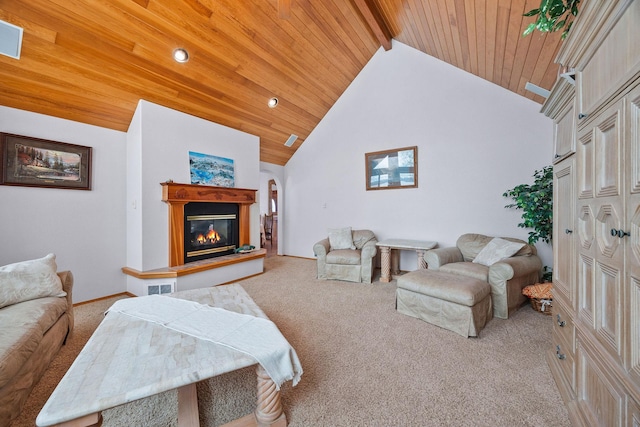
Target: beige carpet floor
{"x":364,"y":364}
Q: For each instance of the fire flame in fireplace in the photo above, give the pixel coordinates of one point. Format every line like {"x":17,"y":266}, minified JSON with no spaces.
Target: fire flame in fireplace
{"x":212,"y":236}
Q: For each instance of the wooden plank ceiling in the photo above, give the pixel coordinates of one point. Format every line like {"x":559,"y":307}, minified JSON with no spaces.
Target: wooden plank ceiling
{"x":92,"y":60}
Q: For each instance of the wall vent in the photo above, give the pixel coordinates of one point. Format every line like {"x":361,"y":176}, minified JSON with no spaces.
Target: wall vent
{"x":10,"y":40}
{"x":159,"y":289}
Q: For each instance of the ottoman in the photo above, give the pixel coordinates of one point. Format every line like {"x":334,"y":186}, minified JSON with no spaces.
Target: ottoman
{"x":458,"y":303}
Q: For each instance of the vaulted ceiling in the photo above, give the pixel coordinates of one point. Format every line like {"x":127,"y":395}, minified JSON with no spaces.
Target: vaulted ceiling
{"x":92,"y":60}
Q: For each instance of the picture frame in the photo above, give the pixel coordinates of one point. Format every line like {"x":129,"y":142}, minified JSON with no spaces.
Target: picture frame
{"x":34,"y":162}
{"x":391,"y":169}
{"x":205,"y":169}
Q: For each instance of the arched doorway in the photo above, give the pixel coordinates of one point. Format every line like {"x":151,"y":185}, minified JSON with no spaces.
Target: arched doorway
{"x":271,"y":212}
{"x":271,"y":219}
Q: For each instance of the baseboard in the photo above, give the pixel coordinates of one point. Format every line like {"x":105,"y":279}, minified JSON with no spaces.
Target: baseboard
{"x":127,"y":294}
{"x":299,"y":257}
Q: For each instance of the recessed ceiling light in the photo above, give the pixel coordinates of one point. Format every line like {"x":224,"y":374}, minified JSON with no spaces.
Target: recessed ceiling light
{"x":181,"y":55}
{"x":272,"y":102}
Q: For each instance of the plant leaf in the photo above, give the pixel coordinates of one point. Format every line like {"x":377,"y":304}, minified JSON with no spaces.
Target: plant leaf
{"x":536,"y":202}
{"x":574,"y":9}
{"x":559,"y":25}
{"x":529,"y":29}
{"x":557,"y":9}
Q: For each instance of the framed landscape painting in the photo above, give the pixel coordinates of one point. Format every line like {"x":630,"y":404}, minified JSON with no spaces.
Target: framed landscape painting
{"x":211,"y":170}
{"x":397,"y":168}
{"x":34,"y":162}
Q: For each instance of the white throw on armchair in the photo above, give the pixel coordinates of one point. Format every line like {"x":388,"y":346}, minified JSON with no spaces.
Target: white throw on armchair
{"x":346,"y":255}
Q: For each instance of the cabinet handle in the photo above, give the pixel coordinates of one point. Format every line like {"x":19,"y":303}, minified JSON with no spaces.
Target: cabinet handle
{"x":560,"y":355}
{"x":568,"y":231}
{"x":582,"y":116}
{"x":619,"y":233}
{"x":561,"y":323}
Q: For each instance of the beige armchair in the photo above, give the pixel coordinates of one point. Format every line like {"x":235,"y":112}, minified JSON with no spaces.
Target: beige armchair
{"x":351,"y":262}
{"x":506,"y":277}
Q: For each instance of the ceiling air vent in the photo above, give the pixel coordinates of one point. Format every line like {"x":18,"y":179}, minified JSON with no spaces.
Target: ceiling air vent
{"x":10,"y":40}
{"x":291,"y":140}
{"x":537,"y":90}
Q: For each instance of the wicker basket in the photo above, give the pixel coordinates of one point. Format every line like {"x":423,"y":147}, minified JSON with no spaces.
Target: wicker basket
{"x":543,"y":306}
{"x":541,"y":297}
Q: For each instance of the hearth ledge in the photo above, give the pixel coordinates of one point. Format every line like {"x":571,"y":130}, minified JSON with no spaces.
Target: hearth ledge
{"x":195,"y":267}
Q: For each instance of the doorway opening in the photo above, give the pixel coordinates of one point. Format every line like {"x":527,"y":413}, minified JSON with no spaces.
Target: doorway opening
{"x":270,"y":221}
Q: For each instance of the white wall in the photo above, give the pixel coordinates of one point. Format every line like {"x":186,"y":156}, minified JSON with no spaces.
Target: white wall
{"x":159,"y":143}
{"x":270,"y":171}
{"x":475,"y":140}
{"x":83,"y":228}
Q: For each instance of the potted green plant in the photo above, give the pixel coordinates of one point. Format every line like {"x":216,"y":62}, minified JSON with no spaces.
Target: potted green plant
{"x":536,"y":202}
{"x":553,"y":15}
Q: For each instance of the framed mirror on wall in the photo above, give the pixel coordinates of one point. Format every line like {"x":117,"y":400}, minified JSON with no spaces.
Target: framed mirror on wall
{"x":389,"y":169}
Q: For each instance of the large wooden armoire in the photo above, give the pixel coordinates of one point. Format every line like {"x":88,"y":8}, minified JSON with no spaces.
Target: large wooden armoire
{"x":595,"y":351}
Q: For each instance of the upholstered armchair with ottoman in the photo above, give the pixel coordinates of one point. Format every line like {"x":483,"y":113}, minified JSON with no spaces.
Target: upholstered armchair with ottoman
{"x":467,"y":285}
{"x":346,"y":255}
{"x":507,"y":264}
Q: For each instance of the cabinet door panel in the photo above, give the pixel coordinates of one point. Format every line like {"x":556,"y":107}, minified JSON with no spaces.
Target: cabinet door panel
{"x":608,"y":141}
{"x":565,"y":141}
{"x":608,"y":285}
{"x":564,"y":234}
{"x":632,"y":266}
{"x":585,"y":160}
{"x":633,"y":334}
{"x":608,"y":222}
{"x":586,"y":291}
{"x":601,"y":202}
{"x":634,"y":141}
{"x":599,"y":397}
{"x":633,"y":417}
{"x":615,"y":60}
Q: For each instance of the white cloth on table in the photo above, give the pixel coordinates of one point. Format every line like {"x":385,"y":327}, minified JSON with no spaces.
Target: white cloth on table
{"x":259,"y":338}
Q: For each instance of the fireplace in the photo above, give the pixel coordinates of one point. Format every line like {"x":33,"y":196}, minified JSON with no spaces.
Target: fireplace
{"x":196,"y":201}
{"x":211,"y":230}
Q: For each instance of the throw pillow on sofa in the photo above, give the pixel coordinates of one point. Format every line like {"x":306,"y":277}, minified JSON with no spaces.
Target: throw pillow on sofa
{"x":497,"y":249}
{"x":27,"y":280}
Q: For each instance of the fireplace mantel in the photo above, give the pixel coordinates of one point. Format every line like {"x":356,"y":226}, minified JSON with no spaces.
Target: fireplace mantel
{"x":177,"y":195}
{"x":184,"y":193}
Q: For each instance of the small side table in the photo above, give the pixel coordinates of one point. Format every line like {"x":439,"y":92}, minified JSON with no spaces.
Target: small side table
{"x":389,"y":258}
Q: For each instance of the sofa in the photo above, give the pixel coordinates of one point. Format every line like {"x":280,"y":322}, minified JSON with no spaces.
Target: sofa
{"x":347,"y":255}
{"x":508,"y":268}
{"x":36,"y":317}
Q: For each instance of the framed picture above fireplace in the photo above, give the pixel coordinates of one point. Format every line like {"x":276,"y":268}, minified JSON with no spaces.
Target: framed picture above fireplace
{"x":206,"y":169}
{"x":34,"y":162}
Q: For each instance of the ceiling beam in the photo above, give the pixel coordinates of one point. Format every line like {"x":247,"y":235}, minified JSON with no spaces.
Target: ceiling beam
{"x":374,"y":19}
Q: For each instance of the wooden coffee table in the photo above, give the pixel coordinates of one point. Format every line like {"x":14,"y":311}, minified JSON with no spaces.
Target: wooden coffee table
{"x":127,"y":359}
{"x":389,"y":258}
